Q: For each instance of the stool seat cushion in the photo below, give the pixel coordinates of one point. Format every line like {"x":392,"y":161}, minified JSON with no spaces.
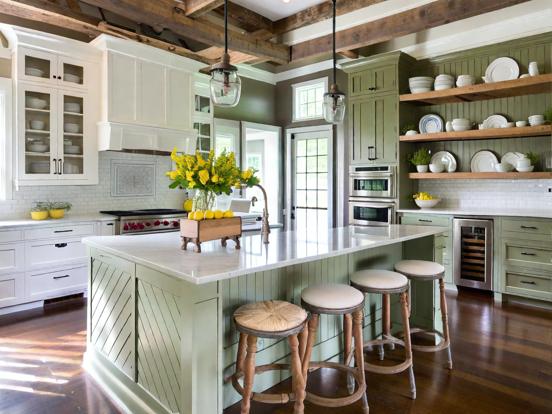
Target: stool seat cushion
{"x":419,"y":268}
{"x":270,"y":316}
{"x":376,"y":279}
{"x":333,"y":296}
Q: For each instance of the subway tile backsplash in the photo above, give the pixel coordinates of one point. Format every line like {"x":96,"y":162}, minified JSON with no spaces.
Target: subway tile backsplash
{"x":89,"y":199}
{"x":503,"y":194}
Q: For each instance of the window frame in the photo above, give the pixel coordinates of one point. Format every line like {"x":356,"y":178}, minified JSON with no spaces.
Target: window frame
{"x":6,"y":140}
{"x":295,"y":105}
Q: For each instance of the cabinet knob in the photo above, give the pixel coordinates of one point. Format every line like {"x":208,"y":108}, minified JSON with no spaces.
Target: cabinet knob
{"x":372,"y":88}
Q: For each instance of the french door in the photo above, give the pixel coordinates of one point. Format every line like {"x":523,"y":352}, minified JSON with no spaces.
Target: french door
{"x":311,"y":180}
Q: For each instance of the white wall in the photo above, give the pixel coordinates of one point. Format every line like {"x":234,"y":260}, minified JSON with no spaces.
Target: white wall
{"x":88,"y":199}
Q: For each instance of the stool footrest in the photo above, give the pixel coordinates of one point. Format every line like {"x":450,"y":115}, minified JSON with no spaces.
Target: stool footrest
{"x":388,"y":369}
{"x":337,"y":402}
{"x":282,"y":398}
{"x":443,"y":344}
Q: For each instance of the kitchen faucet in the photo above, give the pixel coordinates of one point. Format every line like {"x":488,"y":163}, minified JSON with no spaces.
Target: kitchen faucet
{"x":265,"y":227}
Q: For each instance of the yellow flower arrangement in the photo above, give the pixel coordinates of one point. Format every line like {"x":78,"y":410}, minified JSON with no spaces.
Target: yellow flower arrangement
{"x":214,"y":174}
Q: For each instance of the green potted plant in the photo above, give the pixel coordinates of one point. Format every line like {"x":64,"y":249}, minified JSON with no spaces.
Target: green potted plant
{"x":548,"y":115}
{"x":421,"y":159}
{"x":40,"y":210}
{"x":533,"y":157}
{"x":58,"y":208}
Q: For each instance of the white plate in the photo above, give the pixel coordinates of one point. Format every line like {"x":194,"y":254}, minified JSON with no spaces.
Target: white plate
{"x":511,"y":158}
{"x":502,"y":69}
{"x":431,"y":123}
{"x":483,"y":161}
{"x":495,"y":121}
{"x":446,"y":158}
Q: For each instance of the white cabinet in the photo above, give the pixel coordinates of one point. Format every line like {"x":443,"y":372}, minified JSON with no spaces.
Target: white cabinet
{"x":150,"y":89}
{"x":203,"y":115}
{"x":106,"y":228}
{"x":179,"y":85}
{"x":121,"y":88}
{"x":56,"y":136}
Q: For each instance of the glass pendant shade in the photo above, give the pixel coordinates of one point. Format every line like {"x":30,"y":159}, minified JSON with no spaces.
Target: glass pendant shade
{"x":225,"y":87}
{"x":334,"y":106}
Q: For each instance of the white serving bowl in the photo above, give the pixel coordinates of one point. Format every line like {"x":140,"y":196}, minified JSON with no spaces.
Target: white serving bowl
{"x":502,"y":167}
{"x":72,"y":107}
{"x":427,"y":203}
{"x":442,"y":86}
{"x":438,"y":167}
{"x":460,"y":128}
{"x":521,"y":124}
{"x":72,"y":149}
{"x":461,"y":124}
{"x":420,"y":90}
{"x":411,"y":132}
{"x":444,"y":77}
{"x":35,"y":103}
{"x":536,"y":120}
{"x":34,"y":72}
{"x":37,"y":147}
{"x":68,"y":77}
{"x":525,"y":169}
{"x":37,"y":124}
{"x":40,"y":167}
{"x":71,"y":128}
{"x":420,"y":79}
{"x":465,"y":80}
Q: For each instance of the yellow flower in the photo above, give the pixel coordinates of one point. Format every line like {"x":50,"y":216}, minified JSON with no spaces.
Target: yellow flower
{"x":189,"y":175}
{"x":200,"y":160}
{"x":215,"y":178}
{"x":246,"y":175}
{"x":191,"y":184}
{"x":203,"y":176}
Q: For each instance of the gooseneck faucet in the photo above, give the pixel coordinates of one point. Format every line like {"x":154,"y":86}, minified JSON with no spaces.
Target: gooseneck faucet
{"x":265,"y":227}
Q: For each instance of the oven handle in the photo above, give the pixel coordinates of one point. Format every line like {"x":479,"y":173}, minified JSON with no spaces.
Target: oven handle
{"x":368,"y":175}
{"x":373,"y":205}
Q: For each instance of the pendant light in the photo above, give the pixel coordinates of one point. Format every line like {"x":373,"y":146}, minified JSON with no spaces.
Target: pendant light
{"x":225,"y":84}
{"x":334,"y":100}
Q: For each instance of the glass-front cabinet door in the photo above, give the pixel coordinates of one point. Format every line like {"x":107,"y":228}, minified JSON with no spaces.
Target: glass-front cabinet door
{"x":203,"y":128}
{"x":72,"y":72}
{"x":37,"y":66}
{"x":73,"y":148}
{"x":37,"y":133}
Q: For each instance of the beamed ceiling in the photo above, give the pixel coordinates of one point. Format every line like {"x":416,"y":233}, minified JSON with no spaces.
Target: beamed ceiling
{"x":195,"y":28}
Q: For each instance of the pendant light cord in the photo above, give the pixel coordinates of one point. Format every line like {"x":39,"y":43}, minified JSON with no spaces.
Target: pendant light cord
{"x":226,"y":26}
{"x":334,"y":59}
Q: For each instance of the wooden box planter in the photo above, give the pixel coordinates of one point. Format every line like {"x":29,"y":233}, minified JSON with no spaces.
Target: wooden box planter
{"x":205,"y":230}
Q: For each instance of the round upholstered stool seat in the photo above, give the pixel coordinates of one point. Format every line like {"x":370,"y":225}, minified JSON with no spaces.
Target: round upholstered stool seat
{"x":270,"y":319}
{"x":420,"y":269}
{"x":379,"y":281}
{"x":332,"y":299}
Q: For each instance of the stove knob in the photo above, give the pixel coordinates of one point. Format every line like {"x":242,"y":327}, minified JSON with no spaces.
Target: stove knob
{"x":165,"y":223}
{"x":125,"y":227}
{"x":175,"y":223}
{"x":156,"y":223}
{"x":140,"y":226}
{"x":148,"y":224}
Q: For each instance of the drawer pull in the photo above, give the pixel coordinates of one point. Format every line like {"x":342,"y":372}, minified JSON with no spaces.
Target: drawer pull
{"x":528,"y":254}
{"x":526,"y":282}
{"x":60,"y":245}
{"x":60,"y":277}
{"x":425,"y":221}
{"x":529,"y":227}
{"x":63,"y":231}
{"x":109,"y":224}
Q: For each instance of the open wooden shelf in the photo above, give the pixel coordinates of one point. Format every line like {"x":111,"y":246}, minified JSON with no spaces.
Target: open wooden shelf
{"x":516,"y":87}
{"x":494,"y":133}
{"x":480,"y":176}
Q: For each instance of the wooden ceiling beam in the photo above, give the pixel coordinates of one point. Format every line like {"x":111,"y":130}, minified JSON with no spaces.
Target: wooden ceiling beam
{"x":246,"y":19}
{"x":164,"y":13}
{"x":196,"y":8}
{"x":319,"y":13}
{"x":414,"y":20}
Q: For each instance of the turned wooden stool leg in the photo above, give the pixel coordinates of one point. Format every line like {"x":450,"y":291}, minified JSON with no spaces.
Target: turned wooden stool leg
{"x":242,"y":348}
{"x":299,"y":382}
{"x":408,"y":343}
{"x":313,"y":327}
{"x":249,"y":374}
{"x":347,"y":349}
{"x":358,"y":317}
{"x":303,"y":337}
{"x":444,"y":316}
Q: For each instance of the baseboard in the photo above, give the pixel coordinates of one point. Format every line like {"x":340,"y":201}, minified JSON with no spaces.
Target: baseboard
{"x":21,"y":307}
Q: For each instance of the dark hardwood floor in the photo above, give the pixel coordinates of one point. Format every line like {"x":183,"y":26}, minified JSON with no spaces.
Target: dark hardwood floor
{"x":502,"y":357}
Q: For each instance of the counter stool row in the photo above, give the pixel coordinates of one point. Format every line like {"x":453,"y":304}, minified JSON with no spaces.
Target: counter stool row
{"x":280,"y":319}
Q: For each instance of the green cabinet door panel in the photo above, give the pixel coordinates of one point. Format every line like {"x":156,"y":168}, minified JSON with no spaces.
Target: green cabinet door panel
{"x":373,"y":81}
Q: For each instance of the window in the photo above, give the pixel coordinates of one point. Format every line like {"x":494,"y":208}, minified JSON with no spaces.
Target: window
{"x":307,"y":99}
{"x":5,"y":138}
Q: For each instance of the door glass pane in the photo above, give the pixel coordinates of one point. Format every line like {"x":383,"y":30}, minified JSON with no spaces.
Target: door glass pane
{"x":73,"y":135}
{"x":37,"y":132}
{"x":73,"y":73}
{"x":37,"y":67}
{"x":202,"y":104}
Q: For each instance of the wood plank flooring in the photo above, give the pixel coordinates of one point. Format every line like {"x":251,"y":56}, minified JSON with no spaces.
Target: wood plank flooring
{"x":502,"y":364}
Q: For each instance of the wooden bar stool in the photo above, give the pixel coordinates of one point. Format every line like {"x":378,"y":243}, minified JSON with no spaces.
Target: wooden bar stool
{"x":385,"y":282}
{"x":269,"y":319}
{"x":430,"y":271}
{"x":336,"y":299}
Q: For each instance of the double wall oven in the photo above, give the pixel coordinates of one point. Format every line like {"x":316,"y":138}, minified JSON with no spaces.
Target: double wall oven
{"x":372,"y":195}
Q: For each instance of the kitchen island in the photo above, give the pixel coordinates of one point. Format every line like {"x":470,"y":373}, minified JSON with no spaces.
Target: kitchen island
{"x":160,"y":331}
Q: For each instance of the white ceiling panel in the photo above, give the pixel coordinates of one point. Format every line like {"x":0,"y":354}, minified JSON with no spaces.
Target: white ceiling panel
{"x":277,"y":9}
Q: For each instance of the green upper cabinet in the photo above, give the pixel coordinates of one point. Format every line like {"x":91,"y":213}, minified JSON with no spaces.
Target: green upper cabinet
{"x":373,"y":81}
{"x":373,"y":129}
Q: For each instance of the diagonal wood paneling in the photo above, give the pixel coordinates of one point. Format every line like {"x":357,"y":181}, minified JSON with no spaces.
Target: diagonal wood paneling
{"x":112,"y":331}
{"x":158,"y":344}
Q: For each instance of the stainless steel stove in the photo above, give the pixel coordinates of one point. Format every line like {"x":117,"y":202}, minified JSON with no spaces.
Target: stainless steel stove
{"x":147,"y":221}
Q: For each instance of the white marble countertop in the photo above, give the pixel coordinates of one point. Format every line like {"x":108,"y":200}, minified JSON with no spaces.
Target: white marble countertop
{"x":69,"y":219}
{"x":496,"y":212}
{"x":162,"y":252}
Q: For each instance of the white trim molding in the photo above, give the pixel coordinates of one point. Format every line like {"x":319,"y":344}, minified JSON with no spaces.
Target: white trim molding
{"x":6,"y":139}
{"x":300,"y":85}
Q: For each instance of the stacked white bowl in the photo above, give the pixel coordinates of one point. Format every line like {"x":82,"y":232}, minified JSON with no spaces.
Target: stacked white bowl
{"x":461,"y":124}
{"x":419,"y":84}
{"x":465,"y":80}
{"x":443,"y":82}
{"x":535,"y":120}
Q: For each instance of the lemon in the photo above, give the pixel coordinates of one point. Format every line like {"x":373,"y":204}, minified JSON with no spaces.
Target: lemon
{"x":191,"y":215}
{"x":219,"y":214}
{"x":188,"y":205}
{"x":209,"y":214}
{"x":228,"y":214}
{"x":199,"y":215}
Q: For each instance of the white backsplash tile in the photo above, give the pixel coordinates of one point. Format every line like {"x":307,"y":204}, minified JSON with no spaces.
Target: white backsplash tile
{"x":503,"y":194}
{"x":87,"y":199}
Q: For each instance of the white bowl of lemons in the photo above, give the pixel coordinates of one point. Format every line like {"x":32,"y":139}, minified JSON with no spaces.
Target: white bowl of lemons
{"x":425,"y":200}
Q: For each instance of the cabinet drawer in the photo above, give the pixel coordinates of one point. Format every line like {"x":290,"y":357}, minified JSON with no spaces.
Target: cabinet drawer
{"x":12,"y":289}
{"x":57,"y":283}
{"x":528,"y":255}
{"x":12,"y":258}
{"x":11,"y":236}
{"x":527,"y":226}
{"x":520,"y":281}
{"x":60,"y":231}
{"x":54,"y":253}
{"x":425,"y":220}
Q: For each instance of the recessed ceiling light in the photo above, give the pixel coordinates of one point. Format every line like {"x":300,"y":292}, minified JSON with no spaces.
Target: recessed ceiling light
{"x":286,"y":1}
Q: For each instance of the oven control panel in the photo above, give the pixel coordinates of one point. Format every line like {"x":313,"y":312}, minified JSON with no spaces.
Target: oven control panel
{"x":134,"y":225}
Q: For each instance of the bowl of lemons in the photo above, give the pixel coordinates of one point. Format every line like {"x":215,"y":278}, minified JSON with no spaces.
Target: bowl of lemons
{"x":425,"y":200}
